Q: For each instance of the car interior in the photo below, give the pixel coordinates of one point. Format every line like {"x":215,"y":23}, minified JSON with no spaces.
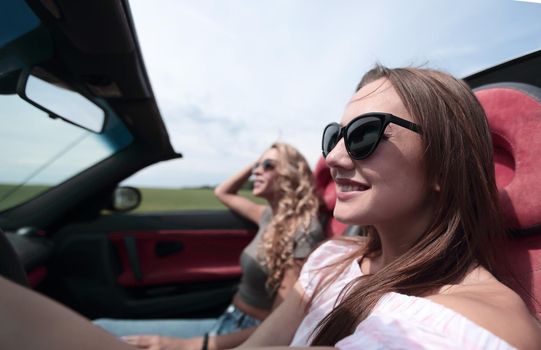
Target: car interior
{"x":185,"y":264}
{"x":74,"y":244}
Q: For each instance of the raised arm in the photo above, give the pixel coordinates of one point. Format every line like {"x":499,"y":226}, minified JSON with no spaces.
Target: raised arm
{"x":227,"y":193}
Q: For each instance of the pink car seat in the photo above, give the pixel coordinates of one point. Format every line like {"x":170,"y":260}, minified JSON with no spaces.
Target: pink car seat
{"x":514,"y":114}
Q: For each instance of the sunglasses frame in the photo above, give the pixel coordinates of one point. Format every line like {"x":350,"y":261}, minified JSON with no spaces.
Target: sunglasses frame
{"x":385,"y":118}
{"x":266,"y":165}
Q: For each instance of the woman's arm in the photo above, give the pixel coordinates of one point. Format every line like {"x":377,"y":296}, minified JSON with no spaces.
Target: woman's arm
{"x":32,"y":321}
{"x":226,"y":192}
{"x":280,"y":326}
{"x":294,"y":348}
{"x":291,"y":275}
{"x":157,"y":342}
{"x":231,"y":340}
{"x":225,"y":341}
{"x":228,"y":341}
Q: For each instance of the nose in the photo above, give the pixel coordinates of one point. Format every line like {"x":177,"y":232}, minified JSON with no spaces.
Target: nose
{"x":339,"y":157}
{"x":256,"y":170}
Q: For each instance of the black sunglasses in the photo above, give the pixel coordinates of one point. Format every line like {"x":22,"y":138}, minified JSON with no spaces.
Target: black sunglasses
{"x":267,"y":165}
{"x":363,"y":134}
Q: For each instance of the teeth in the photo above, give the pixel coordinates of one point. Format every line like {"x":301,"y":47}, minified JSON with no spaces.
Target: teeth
{"x":351,"y":188}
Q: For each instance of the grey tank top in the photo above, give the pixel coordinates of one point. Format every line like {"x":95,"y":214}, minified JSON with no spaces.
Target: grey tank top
{"x":252,"y":289}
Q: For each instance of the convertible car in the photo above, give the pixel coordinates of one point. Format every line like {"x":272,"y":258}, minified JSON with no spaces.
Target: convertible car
{"x":78,"y":114}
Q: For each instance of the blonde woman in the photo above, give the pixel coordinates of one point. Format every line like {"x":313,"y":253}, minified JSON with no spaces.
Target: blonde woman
{"x":288,"y":231}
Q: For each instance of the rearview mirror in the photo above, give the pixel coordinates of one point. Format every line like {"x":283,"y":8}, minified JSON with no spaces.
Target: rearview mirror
{"x":60,"y":100}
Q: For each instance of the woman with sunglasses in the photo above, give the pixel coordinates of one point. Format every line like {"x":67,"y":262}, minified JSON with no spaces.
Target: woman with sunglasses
{"x":288,"y":231}
{"x":412,"y":162}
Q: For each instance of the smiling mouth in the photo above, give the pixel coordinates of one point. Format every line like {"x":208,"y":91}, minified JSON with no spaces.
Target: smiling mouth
{"x":352,"y":188}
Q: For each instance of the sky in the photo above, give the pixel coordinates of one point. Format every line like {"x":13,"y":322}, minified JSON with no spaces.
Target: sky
{"x":233,"y":76}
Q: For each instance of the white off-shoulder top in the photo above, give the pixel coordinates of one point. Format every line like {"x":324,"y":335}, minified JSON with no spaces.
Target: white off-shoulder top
{"x":397,"y":321}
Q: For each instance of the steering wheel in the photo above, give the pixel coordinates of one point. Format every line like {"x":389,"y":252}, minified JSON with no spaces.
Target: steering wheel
{"x":10,"y":265}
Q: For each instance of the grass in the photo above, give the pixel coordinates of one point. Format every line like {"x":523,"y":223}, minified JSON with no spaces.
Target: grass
{"x":20,"y":195}
{"x":162,"y":199}
{"x":154,"y":199}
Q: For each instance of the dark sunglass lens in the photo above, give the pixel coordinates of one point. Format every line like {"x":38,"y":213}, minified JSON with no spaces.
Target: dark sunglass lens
{"x":331,"y":136}
{"x":362,"y":136}
{"x":267,"y":165}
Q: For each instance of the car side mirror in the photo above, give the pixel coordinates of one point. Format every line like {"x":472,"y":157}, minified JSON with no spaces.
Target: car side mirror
{"x":60,"y":100}
{"x":125,"y":198}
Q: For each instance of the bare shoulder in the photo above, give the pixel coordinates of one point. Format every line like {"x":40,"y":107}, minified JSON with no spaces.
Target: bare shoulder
{"x":495,"y":307}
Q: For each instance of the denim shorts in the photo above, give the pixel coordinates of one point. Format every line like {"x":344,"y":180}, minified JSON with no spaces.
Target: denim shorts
{"x":233,"y":320}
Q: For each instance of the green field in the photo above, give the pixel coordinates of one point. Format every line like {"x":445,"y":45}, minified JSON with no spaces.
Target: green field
{"x":162,"y":199}
{"x":19,"y":195}
{"x":154,"y":199}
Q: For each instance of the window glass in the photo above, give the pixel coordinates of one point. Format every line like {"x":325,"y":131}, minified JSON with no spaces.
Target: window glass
{"x":38,"y":152}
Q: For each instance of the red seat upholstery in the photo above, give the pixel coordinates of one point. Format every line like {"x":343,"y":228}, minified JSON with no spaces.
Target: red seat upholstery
{"x":327,"y":191}
{"x":514,"y":115}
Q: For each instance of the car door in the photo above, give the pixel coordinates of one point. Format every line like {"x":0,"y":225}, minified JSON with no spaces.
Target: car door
{"x":149,"y":265}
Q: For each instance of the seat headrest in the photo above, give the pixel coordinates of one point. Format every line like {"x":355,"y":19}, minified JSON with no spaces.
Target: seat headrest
{"x":326,"y":191}
{"x":514,"y":115}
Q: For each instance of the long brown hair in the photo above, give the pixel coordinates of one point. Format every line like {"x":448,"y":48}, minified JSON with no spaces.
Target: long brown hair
{"x":465,"y":229}
{"x":297,"y":208}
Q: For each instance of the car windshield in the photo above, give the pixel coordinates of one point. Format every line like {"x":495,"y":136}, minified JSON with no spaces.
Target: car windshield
{"x":39,"y":152}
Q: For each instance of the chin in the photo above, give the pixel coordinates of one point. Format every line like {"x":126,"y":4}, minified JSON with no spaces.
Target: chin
{"x":346,"y":218}
{"x":259,"y":192}
{"x":349,"y":215}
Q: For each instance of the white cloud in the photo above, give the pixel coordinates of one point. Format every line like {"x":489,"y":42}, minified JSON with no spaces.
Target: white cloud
{"x":532,"y":1}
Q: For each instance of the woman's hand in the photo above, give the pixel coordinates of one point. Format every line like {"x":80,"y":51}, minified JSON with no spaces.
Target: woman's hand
{"x":227,"y":193}
{"x":158,"y":342}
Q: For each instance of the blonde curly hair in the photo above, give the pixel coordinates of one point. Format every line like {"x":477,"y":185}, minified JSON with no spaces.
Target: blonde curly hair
{"x":297,"y":206}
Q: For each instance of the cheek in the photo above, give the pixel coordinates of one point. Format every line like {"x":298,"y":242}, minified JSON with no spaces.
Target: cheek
{"x":274,"y":185}
{"x":405,"y":164}
{"x":405,"y":185}
{"x":270,"y":181}
{"x":404,"y":175}
{"x":270,"y":175}
{"x":400,"y":173}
